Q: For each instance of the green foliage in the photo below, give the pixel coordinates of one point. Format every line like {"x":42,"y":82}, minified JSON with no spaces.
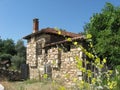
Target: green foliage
{"x":7,"y":47}
{"x":14,"y":52}
{"x":98,"y":77}
{"x":117,"y":77}
{"x":20,"y":48}
{"x":17,"y":61}
{"x":5,"y":57}
{"x":1,"y":45}
{"x":105,"y":30}
{"x":20,"y":57}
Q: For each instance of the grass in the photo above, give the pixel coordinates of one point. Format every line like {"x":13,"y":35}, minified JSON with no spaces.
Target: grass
{"x":28,"y":85}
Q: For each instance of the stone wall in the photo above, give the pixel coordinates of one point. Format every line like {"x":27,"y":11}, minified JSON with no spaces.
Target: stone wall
{"x":67,"y":69}
{"x":31,"y":52}
{"x":63,"y":63}
{"x":31,"y":58}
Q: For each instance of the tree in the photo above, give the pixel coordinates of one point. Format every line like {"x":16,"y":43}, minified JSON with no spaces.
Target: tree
{"x":20,"y":48}
{"x":1,"y":46}
{"x":20,"y":57}
{"x":105,"y":30}
{"x":14,"y":52}
{"x":8,"y":47}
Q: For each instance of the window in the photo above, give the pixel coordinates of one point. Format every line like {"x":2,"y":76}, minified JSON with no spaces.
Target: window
{"x":39,"y":45}
{"x":66,"y":48}
{"x":48,"y":70}
{"x":39,"y":48}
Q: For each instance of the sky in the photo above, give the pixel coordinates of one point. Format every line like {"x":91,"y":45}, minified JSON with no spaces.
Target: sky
{"x":16,"y":16}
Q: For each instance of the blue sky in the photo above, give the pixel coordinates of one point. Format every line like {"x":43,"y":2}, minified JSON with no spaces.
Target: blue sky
{"x":16,"y":15}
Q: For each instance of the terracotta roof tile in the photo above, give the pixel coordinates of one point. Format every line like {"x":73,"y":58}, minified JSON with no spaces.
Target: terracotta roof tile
{"x":53,"y":31}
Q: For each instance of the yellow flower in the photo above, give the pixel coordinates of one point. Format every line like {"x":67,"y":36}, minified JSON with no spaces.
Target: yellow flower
{"x":57,"y":29}
{"x":97,"y":60}
{"x":112,"y":84}
{"x":83,"y":69}
{"x":89,"y":73}
{"x":45,"y":76}
{"x":59,"y":32}
{"x":69,"y":39}
{"x":82,"y":82}
{"x":100,"y":66}
{"x":93,"y":80}
{"x":110,"y":71}
{"x":111,"y":87}
{"x":104,"y":60}
{"x":75,"y":43}
{"x":80,"y":63}
{"x":90,"y":55}
{"x":91,"y":45}
{"x":77,"y":58}
{"x":59,"y":49}
{"x":87,"y":62}
{"x":74,"y":79}
{"x":89,"y":36}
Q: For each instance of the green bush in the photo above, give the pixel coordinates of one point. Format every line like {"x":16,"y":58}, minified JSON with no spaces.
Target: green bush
{"x":17,"y":61}
{"x":5,"y":56}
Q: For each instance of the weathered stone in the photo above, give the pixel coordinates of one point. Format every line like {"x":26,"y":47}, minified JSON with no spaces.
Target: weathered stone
{"x":62,"y":63}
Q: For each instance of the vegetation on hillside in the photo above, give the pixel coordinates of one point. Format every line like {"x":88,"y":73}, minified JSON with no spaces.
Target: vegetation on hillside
{"x":14,"y":52}
{"x":105,"y":30}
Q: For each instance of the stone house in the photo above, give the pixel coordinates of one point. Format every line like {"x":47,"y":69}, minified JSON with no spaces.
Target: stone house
{"x":48,"y":52}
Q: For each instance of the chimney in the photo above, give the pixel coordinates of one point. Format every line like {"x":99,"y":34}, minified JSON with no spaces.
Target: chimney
{"x":35,"y":25}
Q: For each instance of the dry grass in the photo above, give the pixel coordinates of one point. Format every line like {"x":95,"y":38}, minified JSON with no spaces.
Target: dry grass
{"x":28,"y":85}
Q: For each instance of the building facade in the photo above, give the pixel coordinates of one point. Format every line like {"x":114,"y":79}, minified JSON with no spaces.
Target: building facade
{"x":49,"y":52}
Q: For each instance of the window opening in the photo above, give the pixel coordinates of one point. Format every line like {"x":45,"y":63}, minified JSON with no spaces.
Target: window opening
{"x":39,"y":48}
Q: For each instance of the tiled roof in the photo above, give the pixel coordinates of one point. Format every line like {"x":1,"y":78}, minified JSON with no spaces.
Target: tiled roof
{"x":53,"y":31}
